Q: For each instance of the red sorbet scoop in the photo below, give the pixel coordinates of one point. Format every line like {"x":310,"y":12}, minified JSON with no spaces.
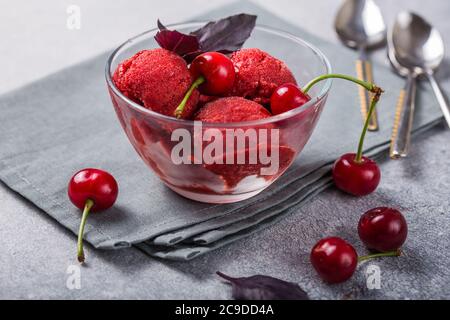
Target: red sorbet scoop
{"x":158,"y":79}
{"x":258,"y":74}
{"x":232,"y":109}
{"x":236,"y":109}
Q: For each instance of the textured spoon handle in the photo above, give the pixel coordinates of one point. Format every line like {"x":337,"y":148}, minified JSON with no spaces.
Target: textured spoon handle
{"x":404,"y":116}
{"x":364,"y":72}
{"x":440,"y":95}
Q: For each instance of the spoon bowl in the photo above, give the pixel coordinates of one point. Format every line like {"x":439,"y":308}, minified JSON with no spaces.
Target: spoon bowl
{"x":359,"y":23}
{"x":417,"y":45}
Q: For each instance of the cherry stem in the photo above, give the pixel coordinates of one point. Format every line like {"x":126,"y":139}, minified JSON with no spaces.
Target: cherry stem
{"x":226,"y":277}
{"x":395,"y":253}
{"x":87,"y":208}
{"x":369,"y":87}
{"x":179,"y":110}
{"x":373,"y":103}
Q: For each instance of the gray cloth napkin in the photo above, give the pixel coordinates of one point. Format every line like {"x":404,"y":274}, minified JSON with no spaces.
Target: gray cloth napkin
{"x":65,"y":122}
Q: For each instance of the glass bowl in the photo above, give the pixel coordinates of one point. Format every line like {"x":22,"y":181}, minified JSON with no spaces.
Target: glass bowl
{"x":190,"y":173}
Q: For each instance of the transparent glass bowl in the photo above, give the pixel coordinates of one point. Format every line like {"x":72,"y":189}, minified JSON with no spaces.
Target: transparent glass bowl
{"x":150,"y":132}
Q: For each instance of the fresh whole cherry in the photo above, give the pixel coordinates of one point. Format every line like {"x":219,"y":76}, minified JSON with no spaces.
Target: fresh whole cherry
{"x":383,"y":229}
{"x":335,"y":260}
{"x":91,"y":190}
{"x":287,"y":97}
{"x":354,"y":173}
{"x":218,"y":71}
{"x":214,"y":75}
{"x":358,"y":178}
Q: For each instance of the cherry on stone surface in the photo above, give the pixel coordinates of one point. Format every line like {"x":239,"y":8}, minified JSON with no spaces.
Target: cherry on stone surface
{"x":287,"y":97}
{"x":356,"y":178}
{"x":334,"y":259}
{"x":218,"y":71}
{"x":91,"y":190}
{"x":383,"y":229}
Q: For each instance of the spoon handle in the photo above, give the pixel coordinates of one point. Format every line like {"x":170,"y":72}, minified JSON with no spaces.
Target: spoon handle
{"x":364,"y":72}
{"x":401,"y":133}
{"x":440,"y":95}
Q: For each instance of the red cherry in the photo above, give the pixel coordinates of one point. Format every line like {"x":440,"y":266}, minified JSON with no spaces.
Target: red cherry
{"x":334,"y":259}
{"x":94,"y":184}
{"x":287,"y":97}
{"x":218,"y":71}
{"x":356,"y":178}
{"x":91,"y":190}
{"x":383,"y":229}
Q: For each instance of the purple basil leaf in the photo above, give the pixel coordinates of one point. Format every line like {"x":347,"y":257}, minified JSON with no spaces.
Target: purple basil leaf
{"x":261,"y":287}
{"x":180,"y":43}
{"x":161,"y":26}
{"x":226,"y":35}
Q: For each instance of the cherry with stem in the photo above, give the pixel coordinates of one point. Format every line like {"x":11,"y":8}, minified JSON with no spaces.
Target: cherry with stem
{"x":214,"y":75}
{"x":335,"y":260}
{"x":91,"y":190}
{"x":352,"y":172}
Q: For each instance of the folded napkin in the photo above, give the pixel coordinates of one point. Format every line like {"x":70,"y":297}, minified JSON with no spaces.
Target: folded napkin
{"x":65,"y":122}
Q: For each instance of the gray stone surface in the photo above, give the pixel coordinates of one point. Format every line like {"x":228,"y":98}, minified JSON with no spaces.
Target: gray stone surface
{"x":37,"y":251}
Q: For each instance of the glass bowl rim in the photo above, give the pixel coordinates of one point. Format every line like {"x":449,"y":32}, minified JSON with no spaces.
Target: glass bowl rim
{"x":285,"y":115}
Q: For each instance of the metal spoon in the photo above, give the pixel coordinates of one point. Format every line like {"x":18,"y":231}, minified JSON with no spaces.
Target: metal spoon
{"x":414,"y":48}
{"x":359,"y":24}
